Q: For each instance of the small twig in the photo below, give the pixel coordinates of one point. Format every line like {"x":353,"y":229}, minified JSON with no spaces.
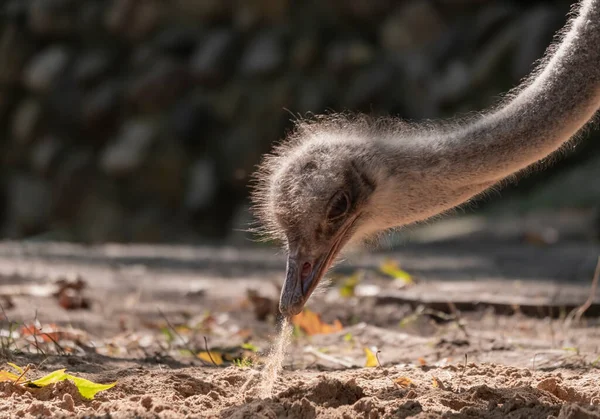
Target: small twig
{"x":460,"y":380}
{"x":328,"y":358}
{"x":10,"y":330}
{"x":576,"y":314}
{"x":457,"y":318}
{"x":533,"y":361}
{"x":208,"y":352}
{"x":454,"y":317}
{"x":377,"y":358}
{"x":61,"y":350}
{"x":380,"y":366}
{"x":22,"y":374}
{"x":185,"y":345}
{"x":33,"y":326}
{"x":38,"y":366}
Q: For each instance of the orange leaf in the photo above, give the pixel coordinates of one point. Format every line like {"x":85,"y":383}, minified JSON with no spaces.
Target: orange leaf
{"x":211,"y":357}
{"x":312,"y":324}
{"x":46,"y":334}
{"x":404,"y":382}
{"x":437,"y":383}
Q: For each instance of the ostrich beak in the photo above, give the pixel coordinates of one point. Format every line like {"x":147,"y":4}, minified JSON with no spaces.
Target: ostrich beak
{"x":303,"y":274}
{"x":301,"y":279}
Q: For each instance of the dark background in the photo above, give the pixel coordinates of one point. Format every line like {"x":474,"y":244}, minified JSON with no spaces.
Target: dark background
{"x":141,"y":121}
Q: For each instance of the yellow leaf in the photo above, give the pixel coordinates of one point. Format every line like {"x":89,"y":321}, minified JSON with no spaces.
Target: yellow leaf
{"x":348,"y":287}
{"x":392,"y":268}
{"x":311,"y":323}
{"x":404,"y":382}
{"x":437,"y":383}
{"x":8,"y":376}
{"x":16,"y":367}
{"x":87,"y":388}
{"x":217,"y":358}
{"x":371,"y":358}
{"x":249,"y":346}
{"x":53,"y":377}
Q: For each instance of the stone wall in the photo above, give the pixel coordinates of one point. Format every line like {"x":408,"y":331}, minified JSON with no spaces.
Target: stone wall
{"x":131,"y":120}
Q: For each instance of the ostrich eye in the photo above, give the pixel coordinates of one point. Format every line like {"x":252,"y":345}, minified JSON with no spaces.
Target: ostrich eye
{"x":340,"y":205}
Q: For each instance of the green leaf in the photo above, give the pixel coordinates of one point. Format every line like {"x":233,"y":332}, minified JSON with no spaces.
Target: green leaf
{"x":297,"y":332}
{"x":242,"y":363}
{"x":391,"y":268}
{"x":87,"y":388}
{"x":53,"y":377}
{"x":168,"y":334}
{"x":16,"y":367}
{"x":348,"y":287}
{"x":250,"y":347}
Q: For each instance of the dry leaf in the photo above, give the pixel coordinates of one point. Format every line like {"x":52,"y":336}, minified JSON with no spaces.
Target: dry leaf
{"x":70,"y":294}
{"x":52,"y":333}
{"x":392,"y":268}
{"x":217,"y":358}
{"x":437,"y":383}
{"x":48,"y":333}
{"x":311,"y":323}
{"x":422,"y":361}
{"x":404,"y":382}
{"x":371,"y":358}
{"x":7,"y":303}
{"x":263,"y":307}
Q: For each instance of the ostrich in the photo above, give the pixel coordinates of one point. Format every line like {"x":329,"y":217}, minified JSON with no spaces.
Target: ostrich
{"x":340,"y":179}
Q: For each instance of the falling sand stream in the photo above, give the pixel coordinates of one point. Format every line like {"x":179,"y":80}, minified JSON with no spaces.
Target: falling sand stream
{"x":275,"y":359}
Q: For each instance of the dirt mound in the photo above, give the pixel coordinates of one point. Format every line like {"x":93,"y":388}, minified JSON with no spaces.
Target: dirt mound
{"x":452,"y":391}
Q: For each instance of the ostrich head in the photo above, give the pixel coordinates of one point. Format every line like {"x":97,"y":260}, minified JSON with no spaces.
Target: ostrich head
{"x":313,"y":195}
{"x":338,"y":179}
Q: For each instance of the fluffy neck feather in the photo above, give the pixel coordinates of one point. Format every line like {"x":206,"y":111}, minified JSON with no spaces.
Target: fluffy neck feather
{"x":556,"y":101}
{"x":436,"y":168}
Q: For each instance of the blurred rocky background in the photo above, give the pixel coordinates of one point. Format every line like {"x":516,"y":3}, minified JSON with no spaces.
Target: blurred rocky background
{"x":142,"y":120}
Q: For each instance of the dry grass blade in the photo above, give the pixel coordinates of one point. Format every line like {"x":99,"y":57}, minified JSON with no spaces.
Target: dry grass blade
{"x":208,"y":351}
{"x":183,"y":341}
{"x":575,"y":315}
{"x":328,"y":358}
{"x":22,"y":374}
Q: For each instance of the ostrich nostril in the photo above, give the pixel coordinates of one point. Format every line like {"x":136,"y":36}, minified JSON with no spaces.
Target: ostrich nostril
{"x":306,"y":269}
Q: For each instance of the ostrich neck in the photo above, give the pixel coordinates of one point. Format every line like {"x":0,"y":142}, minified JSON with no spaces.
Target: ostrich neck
{"x":554,"y":104}
{"x":430,"y":170}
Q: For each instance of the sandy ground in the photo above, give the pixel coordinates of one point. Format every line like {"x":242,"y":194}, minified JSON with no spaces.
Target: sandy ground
{"x":483,"y":332}
{"x":458,"y":391}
